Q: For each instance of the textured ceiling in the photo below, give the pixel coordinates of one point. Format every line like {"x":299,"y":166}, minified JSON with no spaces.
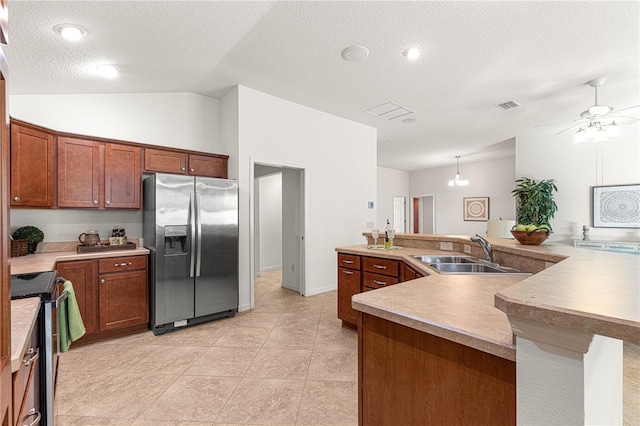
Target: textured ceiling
{"x":475,"y":55}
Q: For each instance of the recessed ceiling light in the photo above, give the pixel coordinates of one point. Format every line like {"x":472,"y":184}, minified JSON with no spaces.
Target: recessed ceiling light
{"x":412,"y":53}
{"x":409,"y":120}
{"x":107,"y":71}
{"x":70,"y":32}
{"x":355,"y":53}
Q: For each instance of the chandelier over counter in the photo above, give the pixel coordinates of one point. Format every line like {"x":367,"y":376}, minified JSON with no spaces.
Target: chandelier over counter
{"x":458,"y":180}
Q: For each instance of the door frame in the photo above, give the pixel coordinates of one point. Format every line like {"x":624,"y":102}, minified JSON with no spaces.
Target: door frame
{"x":304,"y":184}
{"x":421,"y":211}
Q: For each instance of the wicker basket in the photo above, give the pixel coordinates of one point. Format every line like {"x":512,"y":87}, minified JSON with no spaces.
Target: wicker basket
{"x":19,"y":247}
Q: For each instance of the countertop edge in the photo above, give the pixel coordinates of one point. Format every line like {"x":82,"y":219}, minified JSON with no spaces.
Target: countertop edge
{"x":23,"y":317}
{"x":481,"y":343}
{"x":41,"y":262}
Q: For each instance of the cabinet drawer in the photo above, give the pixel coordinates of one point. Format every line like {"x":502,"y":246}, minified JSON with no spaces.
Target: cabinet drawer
{"x":381,"y":266}
{"x":372,"y":281}
{"x":121,"y":264}
{"x":348,"y":261}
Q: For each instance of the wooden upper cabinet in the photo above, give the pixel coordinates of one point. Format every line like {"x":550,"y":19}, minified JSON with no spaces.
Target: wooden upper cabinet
{"x":32,"y":167}
{"x":98,"y":175}
{"x":79,"y":173}
{"x":204,"y":165}
{"x":157,"y":160}
{"x":122,"y":177}
{"x":165,"y":161}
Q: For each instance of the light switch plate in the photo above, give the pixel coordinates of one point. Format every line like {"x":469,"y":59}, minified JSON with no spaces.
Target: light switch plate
{"x":446,"y":246}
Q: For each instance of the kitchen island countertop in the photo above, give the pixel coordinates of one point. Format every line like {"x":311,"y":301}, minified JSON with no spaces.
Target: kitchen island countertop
{"x":592,"y":291}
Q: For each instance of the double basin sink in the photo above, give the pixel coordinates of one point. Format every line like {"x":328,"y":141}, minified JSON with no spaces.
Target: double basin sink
{"x":465,"y":265}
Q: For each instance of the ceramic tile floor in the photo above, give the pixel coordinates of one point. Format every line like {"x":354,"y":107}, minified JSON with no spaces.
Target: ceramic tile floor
{"x":287,"y":362}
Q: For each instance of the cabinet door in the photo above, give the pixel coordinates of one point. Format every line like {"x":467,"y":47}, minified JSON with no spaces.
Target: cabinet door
{"x":158,"y":160}
{"x":123,"y":300}
{"x":79,"y":170}
{"x":348,"y":285}
{"x":83,"y":275}
{"x":122,"y":177}
{"x":32,"y":167}
{"x":202,"y":165}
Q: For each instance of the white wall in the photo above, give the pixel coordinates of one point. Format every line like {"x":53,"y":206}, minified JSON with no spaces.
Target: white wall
{"x":391,"y":183}
{"x":270,"y":208}
{"x":493,"y":179}
{"x":577,"y":168}
{"x":182,"y":120}
{"x":275,"y":131}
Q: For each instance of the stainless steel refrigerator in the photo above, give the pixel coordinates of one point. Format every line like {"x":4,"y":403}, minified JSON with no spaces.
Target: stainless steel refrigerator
{"x":191,"y":229}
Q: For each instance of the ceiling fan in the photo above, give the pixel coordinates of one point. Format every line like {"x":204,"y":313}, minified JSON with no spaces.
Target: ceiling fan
{"x":599,"y":121}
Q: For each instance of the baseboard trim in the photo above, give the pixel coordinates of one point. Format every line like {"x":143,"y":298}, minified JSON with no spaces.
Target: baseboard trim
{"x":270,"y":268}
{"x":321,"y":290}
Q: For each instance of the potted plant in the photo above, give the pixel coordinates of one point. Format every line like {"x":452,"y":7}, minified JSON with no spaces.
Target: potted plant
{"x":33,"y":234}
{"x":535,"y":206}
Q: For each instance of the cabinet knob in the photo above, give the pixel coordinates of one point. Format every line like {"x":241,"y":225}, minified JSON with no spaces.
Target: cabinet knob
{"x":108,"y":202}
{"x":34,"y":354}
{"x":123,"y":264}
{"x":95,"y":202}
{"x":183,"y":168}
{"x":16,"y":198}
{"x":33,"y":413}
{"x":192,"y":170}
{"x":102,"y":281}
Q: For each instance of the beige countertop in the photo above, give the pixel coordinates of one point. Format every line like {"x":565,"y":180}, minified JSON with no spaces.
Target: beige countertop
{"x":40,"y":262}
{"x":455,"y":307}
{"x":588,"y":290}
{"x":23,"y":317}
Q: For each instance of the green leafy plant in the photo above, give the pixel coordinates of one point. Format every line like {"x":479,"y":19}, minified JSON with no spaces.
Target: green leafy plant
{"x":31,"y":233}
{"x":535,"y":204}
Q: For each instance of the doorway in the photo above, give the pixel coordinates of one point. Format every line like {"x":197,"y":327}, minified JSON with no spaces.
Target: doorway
{"x":423,"y":215}
{"x":286,"y":250}
{"x":399,"y":214}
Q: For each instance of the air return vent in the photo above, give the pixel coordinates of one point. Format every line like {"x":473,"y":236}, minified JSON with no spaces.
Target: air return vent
{"x":389,"y":111}
{"x":508,"y":105}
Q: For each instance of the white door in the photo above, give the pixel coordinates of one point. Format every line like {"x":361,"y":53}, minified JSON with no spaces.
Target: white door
{"x":399,"y":214}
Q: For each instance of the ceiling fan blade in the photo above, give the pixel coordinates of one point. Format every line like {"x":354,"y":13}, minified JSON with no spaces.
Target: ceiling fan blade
{"x":555,"y":124}
{"x":625,"y":116}
{"x":569,"y":128}
{"x":625,"y":109}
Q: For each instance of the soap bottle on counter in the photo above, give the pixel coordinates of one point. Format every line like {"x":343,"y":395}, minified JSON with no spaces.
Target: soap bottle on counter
{"x":387,"y":241}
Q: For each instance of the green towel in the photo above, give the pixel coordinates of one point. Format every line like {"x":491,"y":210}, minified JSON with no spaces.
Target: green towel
{"x":71,"y":325}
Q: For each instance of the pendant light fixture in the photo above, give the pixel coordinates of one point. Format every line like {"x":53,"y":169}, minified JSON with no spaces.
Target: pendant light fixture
{"x":458,"y":180}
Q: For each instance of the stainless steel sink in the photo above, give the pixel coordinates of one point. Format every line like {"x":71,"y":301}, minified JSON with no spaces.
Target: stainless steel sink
{"x":465,"y":265}
{"x":465,"y":268}
{"x":446,"y":259}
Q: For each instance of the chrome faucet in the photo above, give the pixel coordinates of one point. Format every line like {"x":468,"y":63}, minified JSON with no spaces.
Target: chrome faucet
{"x":486,"y":246}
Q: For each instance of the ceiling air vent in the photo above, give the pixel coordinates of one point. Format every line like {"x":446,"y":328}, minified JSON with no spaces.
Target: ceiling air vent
{"x":389,"y":111}
{"x":508,"y":105}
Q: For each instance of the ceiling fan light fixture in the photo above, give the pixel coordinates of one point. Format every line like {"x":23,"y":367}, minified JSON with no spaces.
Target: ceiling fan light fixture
{"x":601,"y":135}
{"x":580,"y":137}
{"x":590,"y":131}
{"x":613,"y":130}
{"x":600,"y":110}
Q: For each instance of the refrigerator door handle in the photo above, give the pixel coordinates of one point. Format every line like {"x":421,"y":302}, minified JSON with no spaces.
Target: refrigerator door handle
{"x":199,"y":226}
{"x":192,"y":212}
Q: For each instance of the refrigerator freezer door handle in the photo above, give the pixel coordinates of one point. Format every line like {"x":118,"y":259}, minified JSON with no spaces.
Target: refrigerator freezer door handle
{"x":192,"y":212}
{"x":199,"y":226}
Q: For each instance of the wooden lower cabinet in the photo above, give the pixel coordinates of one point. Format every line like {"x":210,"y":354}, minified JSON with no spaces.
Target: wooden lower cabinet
{"x":348,"y":285}
{"x":26,"y":384}
{"x":407,"y":377}
{"x":112,"y":294}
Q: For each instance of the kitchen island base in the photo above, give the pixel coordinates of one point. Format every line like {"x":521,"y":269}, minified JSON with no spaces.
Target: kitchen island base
{"x":410,"y":377}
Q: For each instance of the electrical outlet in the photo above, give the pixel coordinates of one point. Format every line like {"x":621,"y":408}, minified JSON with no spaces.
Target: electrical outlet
{"x":369,"y":225}
{"x":446,"y":246}
{"x":467,"y":248}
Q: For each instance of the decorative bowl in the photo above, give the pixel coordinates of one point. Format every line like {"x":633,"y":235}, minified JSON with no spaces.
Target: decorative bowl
{"x":534,"y":238}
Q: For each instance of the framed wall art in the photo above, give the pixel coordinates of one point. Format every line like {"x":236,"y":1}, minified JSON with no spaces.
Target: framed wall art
{"x":476,"y":208}
{"x":616,"y":206}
